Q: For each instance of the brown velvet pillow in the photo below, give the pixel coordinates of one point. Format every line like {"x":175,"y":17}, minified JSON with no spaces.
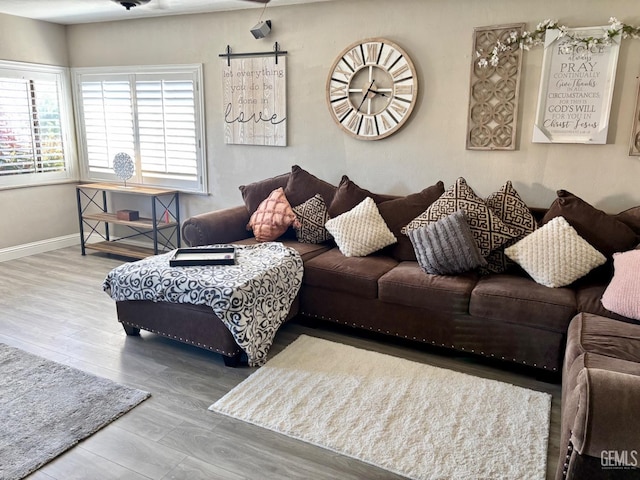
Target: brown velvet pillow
{"x":605,"y":232}
{"x":631,"y":218}
{"x":254,"y":193}
{"x":302,"y":186}
{"x":400,"y":211}
{"x":348,"y":195}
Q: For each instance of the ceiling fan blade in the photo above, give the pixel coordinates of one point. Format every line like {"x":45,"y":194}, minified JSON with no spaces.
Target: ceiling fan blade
{"x":258,"y":1}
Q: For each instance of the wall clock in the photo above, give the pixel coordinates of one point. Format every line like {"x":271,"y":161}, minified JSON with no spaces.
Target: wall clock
{"x":372,"y":88}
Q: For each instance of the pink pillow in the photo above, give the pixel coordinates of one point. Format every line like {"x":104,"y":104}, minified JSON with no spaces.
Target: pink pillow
{"x":622,"y":295}
{"x":273,"y":217}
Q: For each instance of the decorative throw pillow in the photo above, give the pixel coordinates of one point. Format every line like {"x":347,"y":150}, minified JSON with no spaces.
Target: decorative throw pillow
{"x":272,"y":218}
{"x":488,"y":230}
{"x":514,"y":213}
{"x":256,"y":192}
{"x":348,"y":195}
{"x":446,"y":247}
{"x":400,"y":211}
{"x":312,"y":216}
{"x":605,"y":232}
{"x":555,"y":255}
{"x":622,"y":295}
{"x":302,"y":185}
{"x":361,"y":230}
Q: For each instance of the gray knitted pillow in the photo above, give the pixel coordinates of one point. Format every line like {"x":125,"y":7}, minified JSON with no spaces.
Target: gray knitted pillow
{"x":446,"y":247}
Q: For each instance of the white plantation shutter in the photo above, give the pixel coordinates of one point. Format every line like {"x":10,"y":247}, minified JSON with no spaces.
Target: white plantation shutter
{"x":108,"y":122}
{"x":34,"y":126}
{"x":154,"y":114}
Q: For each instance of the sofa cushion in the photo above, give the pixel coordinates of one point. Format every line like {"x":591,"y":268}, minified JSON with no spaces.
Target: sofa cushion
{"x":302,"y":185}
{"x":446,"y":247}
{"x":254,"y":193}
{"x":555,"y":255}
{"x":604,"y":337}
{"x":273,"y":217}
{"x":408,"y":285}
{"x":514,"y":213}
{"x":348,"y":195}
{"x":312,"y":216}
{"x":488,"y":230}
{"x":622,"y":295}
{"x":354,"y":275}
{"x":306,"y":250}
{"x":589,"y":299}
{"x":400,"y":211}
{"x":361,"y":230}
{"x":605,"y":232}
{"x":515,"y":299}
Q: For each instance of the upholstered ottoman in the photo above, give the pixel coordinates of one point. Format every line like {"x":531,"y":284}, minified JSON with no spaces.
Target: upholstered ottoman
{"x":600,"y":430}
{"x":229,"y":309}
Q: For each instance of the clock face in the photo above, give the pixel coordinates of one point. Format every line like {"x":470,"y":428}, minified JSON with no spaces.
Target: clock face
{"x":372,"y":89}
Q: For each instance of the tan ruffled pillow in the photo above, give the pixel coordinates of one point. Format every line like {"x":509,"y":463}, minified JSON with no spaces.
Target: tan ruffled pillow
{"x":273,"y":217}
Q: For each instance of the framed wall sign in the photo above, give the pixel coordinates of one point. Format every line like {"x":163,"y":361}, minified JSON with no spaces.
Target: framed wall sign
{"x":576,"y":89}
{"x":634,"y":143}
{"x":255,"y":100}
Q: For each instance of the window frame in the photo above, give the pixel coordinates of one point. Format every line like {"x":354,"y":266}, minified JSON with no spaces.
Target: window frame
{"x":36,"y":71}
{"x":160,"y":72}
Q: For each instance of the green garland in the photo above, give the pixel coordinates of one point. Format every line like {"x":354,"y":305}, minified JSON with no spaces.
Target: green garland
{"x":526,"y":40}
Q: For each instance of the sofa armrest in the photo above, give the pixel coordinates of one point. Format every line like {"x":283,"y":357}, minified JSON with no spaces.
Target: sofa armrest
{"x":221,"y":226}
{"x":607,"y":418}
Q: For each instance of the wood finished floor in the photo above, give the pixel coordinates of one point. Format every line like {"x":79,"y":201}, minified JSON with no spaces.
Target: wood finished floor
{"x":52,"y":304}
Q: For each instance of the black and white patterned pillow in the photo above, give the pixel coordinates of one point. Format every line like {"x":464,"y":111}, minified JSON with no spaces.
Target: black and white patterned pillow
{"x":514,"y":213}
{"x":488,"y":230}
{"x":312,"y":216}
{"x":446,"y":247}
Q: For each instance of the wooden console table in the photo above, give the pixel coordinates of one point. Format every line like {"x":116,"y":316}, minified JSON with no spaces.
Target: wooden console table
{"x":163,"y":228}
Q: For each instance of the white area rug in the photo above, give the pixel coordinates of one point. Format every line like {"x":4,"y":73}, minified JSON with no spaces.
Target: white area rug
{"x":409,"y":418}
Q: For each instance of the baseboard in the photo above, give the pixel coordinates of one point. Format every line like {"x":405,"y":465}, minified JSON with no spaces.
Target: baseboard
{"x":19,"y":251}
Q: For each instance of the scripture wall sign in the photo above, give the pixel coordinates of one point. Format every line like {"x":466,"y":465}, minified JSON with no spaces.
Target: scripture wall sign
{"x":576,"y":89}
{"x":255,"y":102}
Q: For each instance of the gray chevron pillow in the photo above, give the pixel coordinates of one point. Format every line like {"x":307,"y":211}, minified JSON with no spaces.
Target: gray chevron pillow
{"x":446,"y":247}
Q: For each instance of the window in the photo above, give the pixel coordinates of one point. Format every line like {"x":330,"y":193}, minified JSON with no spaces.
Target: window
{"x":153,"y":114}
{"x":35,"y":127}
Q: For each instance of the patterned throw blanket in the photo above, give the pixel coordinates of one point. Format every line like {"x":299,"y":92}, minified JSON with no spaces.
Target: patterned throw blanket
{"x":252,"y":298}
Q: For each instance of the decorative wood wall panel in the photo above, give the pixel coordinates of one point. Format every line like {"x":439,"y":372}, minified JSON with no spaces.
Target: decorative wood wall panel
{"x":634,"y":144}
{"x":494,"y":92}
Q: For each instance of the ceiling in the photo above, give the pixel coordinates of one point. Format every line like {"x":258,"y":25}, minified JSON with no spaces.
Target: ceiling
{"x":69,"y":12}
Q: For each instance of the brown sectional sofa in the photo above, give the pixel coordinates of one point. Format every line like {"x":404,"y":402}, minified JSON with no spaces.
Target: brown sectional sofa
{"x":505,"y":316}
{"x":599,"y":436}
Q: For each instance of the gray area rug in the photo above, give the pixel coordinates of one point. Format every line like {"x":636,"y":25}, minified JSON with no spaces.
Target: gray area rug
{"x":420,"y":421}
{"x":46,"y":408}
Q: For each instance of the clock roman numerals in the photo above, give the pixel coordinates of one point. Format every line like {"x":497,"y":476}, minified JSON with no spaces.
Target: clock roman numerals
{"x":399,"y":71}
{"x":371,"y":89}
{"x":341,"y":108}
{"x":354,"y":58}
{"x":339,"y":89}
{"x":404,"y":89}
{"x":373,"y":52}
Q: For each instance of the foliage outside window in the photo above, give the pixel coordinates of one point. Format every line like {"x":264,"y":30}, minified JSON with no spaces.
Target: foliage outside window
{"x":35,"y":142}
{"x":154,"y":114}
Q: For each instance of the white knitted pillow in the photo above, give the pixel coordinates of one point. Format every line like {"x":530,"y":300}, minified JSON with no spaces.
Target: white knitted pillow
{"x":361,"y":230}
{"x":555,"y":255}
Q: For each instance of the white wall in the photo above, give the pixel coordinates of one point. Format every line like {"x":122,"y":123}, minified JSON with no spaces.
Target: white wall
{"x":431,"y":146}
